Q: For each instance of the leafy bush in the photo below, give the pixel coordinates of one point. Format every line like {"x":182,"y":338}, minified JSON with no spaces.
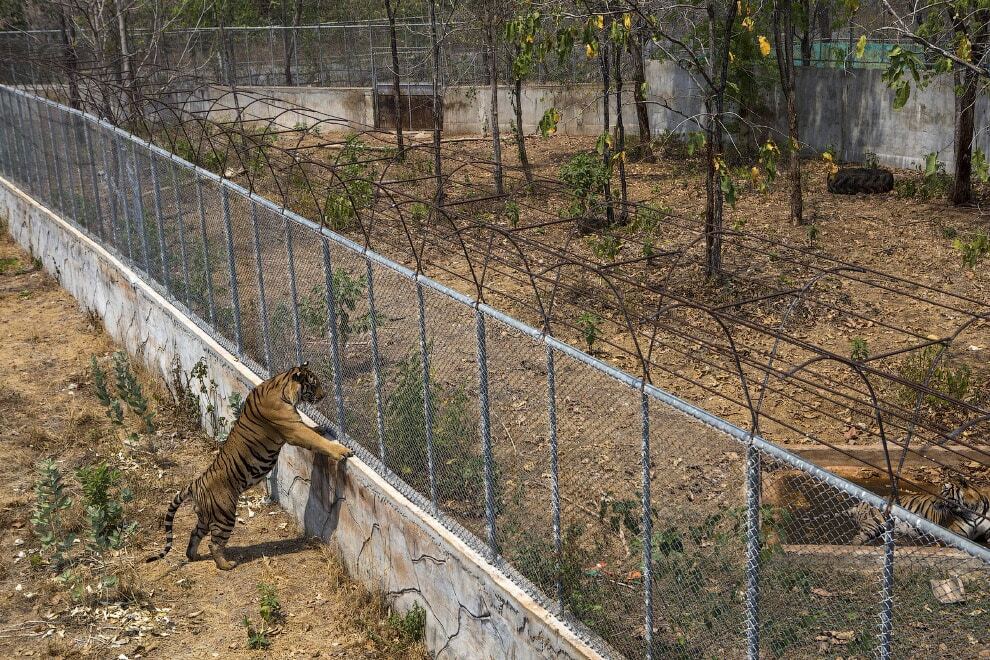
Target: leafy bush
{"x":586,"y":175}
{"x":104,"y":499}
{"x":974,"y":249}
{"x":590,"y":325}
{"x":130,"y":390}
{"x":347,"y":290}
{"x":456,"y":442}
{"x":951,"y":381}
{"x":411,"y":626}
{"x":50,"y":500}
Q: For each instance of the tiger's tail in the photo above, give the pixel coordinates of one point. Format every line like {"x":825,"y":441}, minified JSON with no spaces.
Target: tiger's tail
{"x":177,"y":501}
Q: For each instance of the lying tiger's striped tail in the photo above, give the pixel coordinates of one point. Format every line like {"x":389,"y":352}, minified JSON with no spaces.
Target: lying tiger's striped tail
{"x":177,"y":501}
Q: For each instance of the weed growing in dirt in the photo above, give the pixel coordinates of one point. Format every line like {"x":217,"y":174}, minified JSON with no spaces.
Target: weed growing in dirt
{"x":932,"y":182}
{"x":104,"y":498}
{"x":418,"y":212}
{"x":511,"y":213}
{"x":973,"y":250}
{"x":953,"y":382}
{"x":270,"y":610}
{"x":590,"y":325}
{"x":411,"y":626}
{"x":8,"y":264}
{"x":50,"y":501}
{"x":859,"y":351}
{"x":347,"y":290}
{"x":605,"y":247}
{"x":456,"y":444}
{"x":341,"y":206}
{"x":131,"y":392}
{"x":585,"y":174}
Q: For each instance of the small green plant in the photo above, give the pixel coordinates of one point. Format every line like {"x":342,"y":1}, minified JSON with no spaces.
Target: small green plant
{"x":871,"y":160}
{"x":100,"y":382}
{"x":590,"y":325}
{"x":270,"y":609}
{"x":199,"y":385}
{"x":931,"y":181}
{"x":605,"y":247}
{"x":973,"y":250}
{"x":511,"y":213}
{"x":418,"y":212}
{"x":648,"y":217}
{"x":813,"y":235}
{"x":859,"y":352}
{"x":130,"y":390}
{"x":347,"y":291}
{"x":8,"y":264}
{"x":50,"y":500}
{"x":257,"y":638}
{"x":585,"y":174}
{"x":935,"y":369}
{"x":104,"y":498}
{"x":411,"y":626}
{"x":236,"y":404}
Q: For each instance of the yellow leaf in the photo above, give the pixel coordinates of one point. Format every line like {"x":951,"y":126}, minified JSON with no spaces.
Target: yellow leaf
{"x":754,"y":174}
{"x":965,"y":49}
{"x":590,"y":49}
{"x":529,"y":38}
{"x":600,"y":21}
{"x":627,"y":21}
{"x":764,"y":45}
{"x":827,"y":157}
{"x":794,"y":145}
{"x":861,"y":47}
{"x":732,"y":58}
{"x":748,"y":23}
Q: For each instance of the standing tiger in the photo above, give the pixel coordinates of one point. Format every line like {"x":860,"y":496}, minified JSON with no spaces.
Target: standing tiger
{"x":268,"y":420}
{"x":960,"y":508}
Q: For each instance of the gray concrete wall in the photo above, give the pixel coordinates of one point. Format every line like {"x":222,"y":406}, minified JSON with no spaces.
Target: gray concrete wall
{"x":851,"y":111}
{"x":388,"y":543}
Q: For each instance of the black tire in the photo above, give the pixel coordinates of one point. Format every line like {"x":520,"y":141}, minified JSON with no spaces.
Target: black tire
{"x":855,"y":180}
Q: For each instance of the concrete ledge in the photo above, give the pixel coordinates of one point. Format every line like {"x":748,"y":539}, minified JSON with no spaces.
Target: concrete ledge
{"x":386,"y":541}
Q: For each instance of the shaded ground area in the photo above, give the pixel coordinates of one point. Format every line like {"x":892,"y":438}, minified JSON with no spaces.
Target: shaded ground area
{"x":109,"y":603}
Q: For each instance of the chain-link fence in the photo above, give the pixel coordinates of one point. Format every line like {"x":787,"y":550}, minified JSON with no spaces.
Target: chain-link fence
{"x":651,"y":527}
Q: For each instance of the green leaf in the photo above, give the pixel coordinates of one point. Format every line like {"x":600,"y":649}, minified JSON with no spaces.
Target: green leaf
{"x":902,"y":91}
{"x":861,"y":47}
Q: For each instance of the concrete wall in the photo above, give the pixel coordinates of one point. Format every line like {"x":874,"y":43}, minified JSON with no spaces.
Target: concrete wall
{"x":473,"y":611}
{"x":849,"y":110}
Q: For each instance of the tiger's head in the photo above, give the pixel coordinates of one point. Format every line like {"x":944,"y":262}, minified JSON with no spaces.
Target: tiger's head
{"x":966,"y":496}
{"x":310,"y":389}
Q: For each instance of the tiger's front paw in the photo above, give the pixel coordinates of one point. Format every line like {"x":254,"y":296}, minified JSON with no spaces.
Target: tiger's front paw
{"x":338,"y":452}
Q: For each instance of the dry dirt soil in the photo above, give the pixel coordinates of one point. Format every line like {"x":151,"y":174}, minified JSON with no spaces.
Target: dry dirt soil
{"x":112,"y":604}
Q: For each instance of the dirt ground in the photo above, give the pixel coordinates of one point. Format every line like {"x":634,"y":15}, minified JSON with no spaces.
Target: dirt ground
{"x":111,"y":604}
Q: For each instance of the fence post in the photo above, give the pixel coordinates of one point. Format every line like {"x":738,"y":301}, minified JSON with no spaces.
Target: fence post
{"x":338,"y":376}
{"x":138,"y":208}
{"x":20,"y":149}
{"x":376,"y":362}
{"x":235,"y":300}
{"x":87,"y":128}
{"x":265,"y":337}
{"x":554,"y":470}
{"x":70,"y":184}
{"x":55,"y":161}
{"x":887,"y":593}
{"x":211,"y":305}
{"x":181,"y":221}
{"x":121,"y":166}
{"x":31,"y":161}
{"x":160,"y":221}
{"x":427,"y":399}
{"x":647,"y":525}
{"x":752,"y":552}
{"x":111,"y":190}
{"x":486,"y":430}
{"x":78,"y":198}
{"x":45,"y":161}
{"x":292,"y":290}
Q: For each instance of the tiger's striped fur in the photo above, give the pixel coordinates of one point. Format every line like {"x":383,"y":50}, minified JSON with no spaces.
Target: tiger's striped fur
{"x":973,"y":511}
{"x":943,"y":510}
{"x":268,"y":420}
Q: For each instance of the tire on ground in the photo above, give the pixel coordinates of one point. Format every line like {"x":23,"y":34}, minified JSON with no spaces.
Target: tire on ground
{"x":854,"y":180}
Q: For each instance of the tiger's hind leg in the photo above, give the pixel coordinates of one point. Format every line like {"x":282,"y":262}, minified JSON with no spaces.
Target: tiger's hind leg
{"x":192,"y":550}
{"x":219,"y":534}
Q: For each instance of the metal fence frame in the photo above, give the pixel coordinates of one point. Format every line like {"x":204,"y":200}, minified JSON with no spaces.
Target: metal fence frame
{"x":115,"y":204}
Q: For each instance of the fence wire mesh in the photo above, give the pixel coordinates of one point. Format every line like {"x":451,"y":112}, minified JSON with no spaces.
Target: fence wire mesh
{"x":648,"y":526}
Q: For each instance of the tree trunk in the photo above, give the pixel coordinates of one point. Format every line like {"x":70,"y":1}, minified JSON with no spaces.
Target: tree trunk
{"x":126,"y":65}
{"x":784,"y":40}
{"x":962,"y":183}
{"x":492,"y":56}
{"x":620,"y":137}
{"x":292,"y":36}
{"x":605,"y":65}
{"x":68,"y":34}
{"x":639,"y":80}
{"x":520,"y":137}
{"x":396,"y":88}
{"x":437,"y":106}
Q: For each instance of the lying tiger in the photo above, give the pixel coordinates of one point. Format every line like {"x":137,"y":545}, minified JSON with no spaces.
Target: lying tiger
{"x":960,"y":508}
{"x":268,"y":420}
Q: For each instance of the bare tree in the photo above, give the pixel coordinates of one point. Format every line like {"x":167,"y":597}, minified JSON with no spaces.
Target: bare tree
{"x":784,"y":39}
{"x":390,"y":9}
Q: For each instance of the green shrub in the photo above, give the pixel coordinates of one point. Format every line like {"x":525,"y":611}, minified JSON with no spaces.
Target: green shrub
{"x":951,"y":381}
{"x":586,"y":175}
{"x":104,"y":498}
{"x":50,"y":500}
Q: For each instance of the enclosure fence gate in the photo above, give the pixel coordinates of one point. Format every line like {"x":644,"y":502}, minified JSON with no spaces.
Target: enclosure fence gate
{"x":649,"y":526}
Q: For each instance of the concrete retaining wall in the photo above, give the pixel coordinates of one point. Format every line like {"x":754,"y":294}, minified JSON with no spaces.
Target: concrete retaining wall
{"x":849,"y":110}
{"x":473,"y":611}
